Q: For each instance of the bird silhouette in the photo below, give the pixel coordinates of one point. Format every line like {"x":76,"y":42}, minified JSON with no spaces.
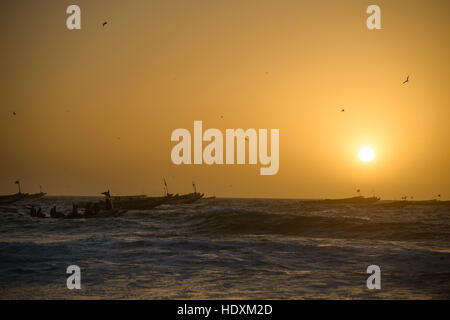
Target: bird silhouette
{"x":407,"y":80}
{"x":104,"y":23}
{"x":343,"y":110}
{"x":14,"y":113}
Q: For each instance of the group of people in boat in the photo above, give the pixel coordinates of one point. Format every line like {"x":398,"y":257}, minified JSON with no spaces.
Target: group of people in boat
{"x":36,"y":213}
{"x":91,"y":210}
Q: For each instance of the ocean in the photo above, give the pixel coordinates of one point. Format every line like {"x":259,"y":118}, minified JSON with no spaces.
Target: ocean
{"x":227,"y":249}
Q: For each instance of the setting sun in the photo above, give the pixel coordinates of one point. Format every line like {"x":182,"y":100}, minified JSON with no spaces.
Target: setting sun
{"x":366,"y":154}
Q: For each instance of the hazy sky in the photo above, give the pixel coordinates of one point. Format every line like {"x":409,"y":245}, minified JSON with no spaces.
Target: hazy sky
{"x":96,"y":107}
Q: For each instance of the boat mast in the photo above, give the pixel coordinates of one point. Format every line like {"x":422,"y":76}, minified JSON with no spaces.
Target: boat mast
{"x":18,"y":183}
{"x":166,"y":189}
{"x":195,"y":188}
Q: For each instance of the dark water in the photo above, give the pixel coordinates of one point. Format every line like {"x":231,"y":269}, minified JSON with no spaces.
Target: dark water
{"x":228,"y":248}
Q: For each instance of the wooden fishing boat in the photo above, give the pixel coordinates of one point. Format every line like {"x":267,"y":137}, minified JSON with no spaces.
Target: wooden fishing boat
{"x":12,"y":198}
{"x":359,"y":200}
{"x":35,"y":196}
{"x":141,"y":203}
{"x":186,"y":198}
{"x":404,"y":203}
{"x":128,"y":198}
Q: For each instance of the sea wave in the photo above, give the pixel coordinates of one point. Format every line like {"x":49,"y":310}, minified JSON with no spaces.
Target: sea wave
{"x":240,"y":220}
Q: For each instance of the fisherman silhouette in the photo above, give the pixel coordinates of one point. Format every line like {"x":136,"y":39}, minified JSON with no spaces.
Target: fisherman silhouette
{"x":33,"y":211}
{"x":55,"y":214}
{"x":39,"y":213}
{"x":74,"y":214}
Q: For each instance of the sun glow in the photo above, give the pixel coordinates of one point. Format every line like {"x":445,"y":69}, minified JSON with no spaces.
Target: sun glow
{"x":366,"y":154}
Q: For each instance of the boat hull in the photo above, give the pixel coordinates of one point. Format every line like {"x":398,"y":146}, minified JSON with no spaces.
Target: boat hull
{"x":186,"y":198}
{"x":13,"y":198}
{"x":353,"y":201}
{"x":141,"y":204}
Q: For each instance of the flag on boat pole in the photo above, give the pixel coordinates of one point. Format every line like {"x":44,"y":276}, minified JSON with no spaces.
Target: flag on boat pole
{"x":107,"y":194}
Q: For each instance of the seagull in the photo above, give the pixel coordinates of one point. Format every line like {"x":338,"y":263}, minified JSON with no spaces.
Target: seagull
{"x":343,"y":110}
{"x":407,"y":80}
{"x":14,"y":113}
{"x":104,"y":23}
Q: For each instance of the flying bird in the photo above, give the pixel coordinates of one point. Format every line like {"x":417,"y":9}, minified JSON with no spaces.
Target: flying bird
{"x":14,"y":113}
{"x":343,"y":110}
{"x":104,"y":23}
{"x":407,"y":80}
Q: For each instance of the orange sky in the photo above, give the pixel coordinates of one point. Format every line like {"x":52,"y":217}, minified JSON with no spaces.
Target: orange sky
{"x":160,"y":65}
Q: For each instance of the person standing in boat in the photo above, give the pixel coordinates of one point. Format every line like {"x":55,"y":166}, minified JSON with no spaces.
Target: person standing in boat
{"x":74,"y":214}
{"x":33,"y":212}
{"x":54,"y":214}
{"x":40,"y":214}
